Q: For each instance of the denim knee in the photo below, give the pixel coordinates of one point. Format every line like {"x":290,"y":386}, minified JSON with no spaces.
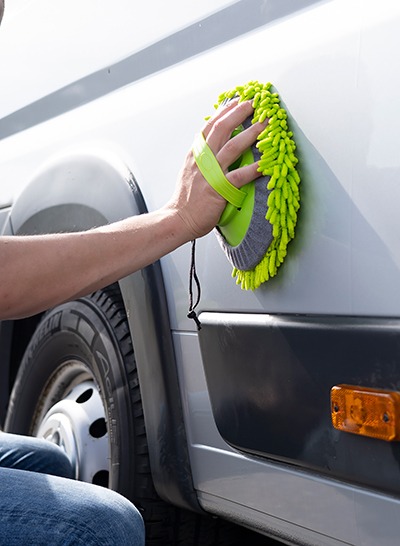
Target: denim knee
{"x":34,"y":454}
{"x":40,"y":509}
{"x":112,"y":520}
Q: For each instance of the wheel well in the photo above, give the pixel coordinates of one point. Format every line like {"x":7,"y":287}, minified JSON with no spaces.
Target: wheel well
{"x":23,"y":330}
{"x":90,"y":189}
{"x":14,"y":339}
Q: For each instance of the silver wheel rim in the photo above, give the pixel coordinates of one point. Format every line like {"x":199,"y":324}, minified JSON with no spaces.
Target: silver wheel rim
{"x":76,"y":422}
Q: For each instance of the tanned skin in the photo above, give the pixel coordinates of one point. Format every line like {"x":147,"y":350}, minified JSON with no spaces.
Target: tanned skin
{"x":38,"y":272}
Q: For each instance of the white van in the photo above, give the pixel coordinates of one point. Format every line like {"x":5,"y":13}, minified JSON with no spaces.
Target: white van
{"x":99,"y":103}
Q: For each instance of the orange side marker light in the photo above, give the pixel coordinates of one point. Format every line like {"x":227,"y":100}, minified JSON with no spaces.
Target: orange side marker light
{"x":369,"y":412}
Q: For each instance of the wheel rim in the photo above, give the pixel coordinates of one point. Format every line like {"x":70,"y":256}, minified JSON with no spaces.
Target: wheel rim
{"x":75,"y":420}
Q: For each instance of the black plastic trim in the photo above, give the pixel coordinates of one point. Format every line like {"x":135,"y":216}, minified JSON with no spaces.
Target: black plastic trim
{"x":145,"y":297}
{"x":269,"y":378}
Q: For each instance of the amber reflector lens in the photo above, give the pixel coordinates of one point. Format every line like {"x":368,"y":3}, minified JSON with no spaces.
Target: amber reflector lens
{"x":369,"y":412}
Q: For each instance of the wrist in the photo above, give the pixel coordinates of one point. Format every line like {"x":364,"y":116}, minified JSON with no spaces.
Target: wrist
{"x":180,"y":225}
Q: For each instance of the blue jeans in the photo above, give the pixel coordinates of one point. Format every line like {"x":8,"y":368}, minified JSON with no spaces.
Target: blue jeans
{"x":37,"y":508}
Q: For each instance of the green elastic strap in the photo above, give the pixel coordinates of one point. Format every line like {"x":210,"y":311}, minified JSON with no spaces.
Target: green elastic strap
{"x":212,"y":172}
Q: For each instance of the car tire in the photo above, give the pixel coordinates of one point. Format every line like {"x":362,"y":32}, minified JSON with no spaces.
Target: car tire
{"x":78,"y":386}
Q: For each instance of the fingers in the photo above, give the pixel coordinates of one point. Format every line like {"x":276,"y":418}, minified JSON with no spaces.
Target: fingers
{"x":220,"y":113}
{"x":227,"y":150}
{"x":218,"y":133}
{"x":244,"y":175}
{"x":238,"y":144}
{"x":219,"y":129}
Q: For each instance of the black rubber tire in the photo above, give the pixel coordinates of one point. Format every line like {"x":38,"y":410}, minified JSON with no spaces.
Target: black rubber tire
{"x":90,"y":331}
{"x":94,"y":331}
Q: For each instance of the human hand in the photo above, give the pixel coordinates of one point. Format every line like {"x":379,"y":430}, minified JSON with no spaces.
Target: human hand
{"x":196,"y":203}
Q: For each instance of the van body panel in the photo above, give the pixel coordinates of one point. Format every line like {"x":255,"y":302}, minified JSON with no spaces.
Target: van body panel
{"x":90,"y":125}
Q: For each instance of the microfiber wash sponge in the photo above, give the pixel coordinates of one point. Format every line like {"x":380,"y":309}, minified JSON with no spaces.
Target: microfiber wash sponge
{"x":256,"y":227}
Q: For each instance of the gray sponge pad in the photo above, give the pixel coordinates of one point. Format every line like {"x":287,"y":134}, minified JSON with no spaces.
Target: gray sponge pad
{"x":254,"y":245}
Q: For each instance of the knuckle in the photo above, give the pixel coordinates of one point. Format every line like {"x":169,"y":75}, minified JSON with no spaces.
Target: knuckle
{"x":235,"y":178}
{"x":218,"y":123}
{"x":246,"y":106}
{"x":207,"y":127}
{"x":231,"y":148}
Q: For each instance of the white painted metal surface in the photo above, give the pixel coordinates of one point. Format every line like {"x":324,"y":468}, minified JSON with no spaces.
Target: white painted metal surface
{"x":334,"y":65}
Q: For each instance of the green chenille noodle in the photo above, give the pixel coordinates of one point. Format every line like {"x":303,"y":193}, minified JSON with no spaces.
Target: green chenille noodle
{"x":278,"y":161}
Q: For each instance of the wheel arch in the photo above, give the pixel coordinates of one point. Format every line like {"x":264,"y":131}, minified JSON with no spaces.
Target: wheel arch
{"x":82,"y":190}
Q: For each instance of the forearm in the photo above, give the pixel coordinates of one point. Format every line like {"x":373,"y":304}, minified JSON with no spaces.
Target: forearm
{"x":39,"y":272}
